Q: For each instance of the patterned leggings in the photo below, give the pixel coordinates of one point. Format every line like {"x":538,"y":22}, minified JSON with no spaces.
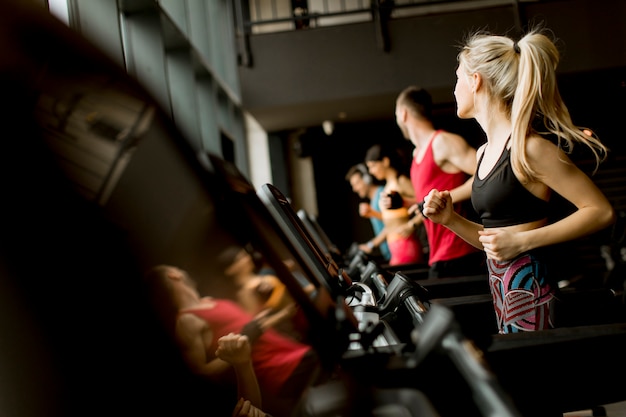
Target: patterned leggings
{"x":522,"y":297}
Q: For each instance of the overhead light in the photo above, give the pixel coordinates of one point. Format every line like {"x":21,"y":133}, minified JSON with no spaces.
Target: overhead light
{"x":328,"y":127}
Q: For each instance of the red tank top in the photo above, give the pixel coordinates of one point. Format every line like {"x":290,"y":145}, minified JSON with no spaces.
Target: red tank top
{"x":426,"y":175}
{"x":274,"y":356}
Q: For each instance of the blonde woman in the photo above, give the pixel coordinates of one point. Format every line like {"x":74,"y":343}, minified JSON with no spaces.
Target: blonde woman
{"x":509,"y":87}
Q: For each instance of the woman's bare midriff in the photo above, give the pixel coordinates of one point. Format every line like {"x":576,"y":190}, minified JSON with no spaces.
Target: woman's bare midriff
{"x":395,"y":219}
{"x":524,"y":227}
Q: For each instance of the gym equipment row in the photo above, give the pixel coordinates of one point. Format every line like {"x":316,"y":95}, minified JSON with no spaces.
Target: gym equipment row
{"x":386,"y":331}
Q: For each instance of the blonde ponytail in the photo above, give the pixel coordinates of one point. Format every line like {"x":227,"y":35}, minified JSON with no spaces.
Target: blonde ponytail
{"x":521,"y":78}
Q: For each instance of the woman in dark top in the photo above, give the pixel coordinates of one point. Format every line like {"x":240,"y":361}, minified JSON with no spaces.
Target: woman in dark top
{"x":384,"y":163}
{"x":507,"y":86}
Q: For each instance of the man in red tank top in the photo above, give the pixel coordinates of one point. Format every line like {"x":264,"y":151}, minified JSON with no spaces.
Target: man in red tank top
{"x":445,"y":161}
{"x":283,"y":367}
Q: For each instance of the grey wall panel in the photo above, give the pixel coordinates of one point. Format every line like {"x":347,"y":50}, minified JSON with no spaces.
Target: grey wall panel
{"x":98,"y":21}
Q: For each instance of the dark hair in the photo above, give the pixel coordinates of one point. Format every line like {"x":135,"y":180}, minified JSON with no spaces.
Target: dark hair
{"x":381,"y":151}
{"x":360,"y":169}
{"x":418,"y":101}
{"x":227,"y":256}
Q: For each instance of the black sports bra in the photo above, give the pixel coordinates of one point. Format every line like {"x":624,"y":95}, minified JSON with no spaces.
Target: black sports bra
{"x":501,"y":200}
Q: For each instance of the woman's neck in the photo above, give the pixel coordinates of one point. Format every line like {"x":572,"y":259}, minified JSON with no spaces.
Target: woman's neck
{"x":497,"y":128}
{"x":391,"y":178}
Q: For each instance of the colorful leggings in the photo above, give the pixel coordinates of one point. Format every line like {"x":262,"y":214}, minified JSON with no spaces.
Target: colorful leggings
{"x":522,"y":297}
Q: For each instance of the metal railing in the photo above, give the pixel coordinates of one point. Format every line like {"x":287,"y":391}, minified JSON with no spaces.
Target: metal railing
{"x":267,"y":16}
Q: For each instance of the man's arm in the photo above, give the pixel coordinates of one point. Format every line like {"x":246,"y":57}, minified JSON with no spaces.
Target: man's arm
{"x":235,"y":349}
{"x":193,"y":336}
{"x":367,"y":211}
{"x":453,"y":154}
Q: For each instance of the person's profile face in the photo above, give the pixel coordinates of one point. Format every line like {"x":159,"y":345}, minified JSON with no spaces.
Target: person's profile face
{"x":463,"y":94}
{"x":241,"y":264}
{"x":182,"y":281}
{"x":377,"y":169}
{"x":400,"y":115}
{"x":358,"y":185}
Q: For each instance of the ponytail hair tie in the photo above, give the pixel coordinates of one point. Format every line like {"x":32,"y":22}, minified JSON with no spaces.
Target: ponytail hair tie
{"x":516,"y":47}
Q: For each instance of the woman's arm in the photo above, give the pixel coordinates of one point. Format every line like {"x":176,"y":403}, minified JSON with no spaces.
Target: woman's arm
{"x":406,"y":190}
{"x":235,"y":349}
{"x":593,"y":211}
{"x":438,"y":207}
{"x":413,"y":223}
{"x":375,"y":242}
{"x":462,"y":192}
{"x":270,"y":318}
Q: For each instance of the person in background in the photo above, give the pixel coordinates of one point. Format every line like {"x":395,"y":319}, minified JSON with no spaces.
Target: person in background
{"x":384,"y":163}
{"x":510,"y":88}
{"x":369,"y":192}
{"x":257,"y":287}
{"x":284,"y":368}
{"x":260,"y":291}
{"x":445,"y":161}
{"x":300,"y":11}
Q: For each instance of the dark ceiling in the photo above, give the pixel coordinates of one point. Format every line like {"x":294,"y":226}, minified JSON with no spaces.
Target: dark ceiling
{"x":300,"y":78}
